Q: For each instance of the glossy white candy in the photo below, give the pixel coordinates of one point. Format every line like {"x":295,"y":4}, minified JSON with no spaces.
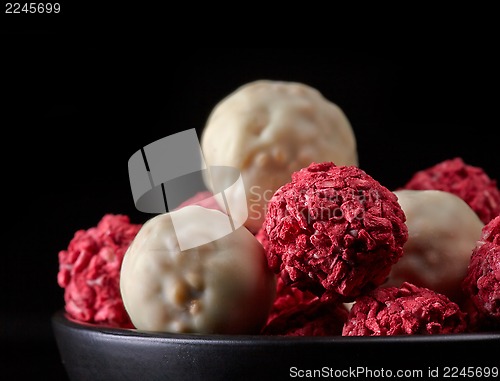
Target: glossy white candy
{"x":223,"y":286}
{"x":268,"y":130}
{"x":442,"y":231}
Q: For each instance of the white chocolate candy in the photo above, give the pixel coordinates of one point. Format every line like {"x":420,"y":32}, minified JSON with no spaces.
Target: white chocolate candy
{"x":442,"y":231}
{"x":268,"y":130}
{"x":223,"y":286}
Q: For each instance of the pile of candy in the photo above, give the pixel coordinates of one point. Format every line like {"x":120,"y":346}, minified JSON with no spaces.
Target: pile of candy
{"x":326,"y":248}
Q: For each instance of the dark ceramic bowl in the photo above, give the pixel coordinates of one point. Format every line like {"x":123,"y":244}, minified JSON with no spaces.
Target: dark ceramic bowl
{"x":91,"y":352}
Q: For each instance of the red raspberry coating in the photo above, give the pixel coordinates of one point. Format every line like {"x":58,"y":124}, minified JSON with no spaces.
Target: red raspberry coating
{"x":470,"y":183}
{"x":333,"y":229}
{"x":481,"y":284}
{"x":408,"y":310}
{"x":301,"y":313}
{"x":89,"y":272}
{"x":288,"y":297}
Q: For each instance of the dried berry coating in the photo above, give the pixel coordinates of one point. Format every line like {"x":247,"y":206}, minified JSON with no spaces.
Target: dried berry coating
{"x":468,"y":182}
{"x":408,"y":310}
{"x":334,"y":229}
{"x":301,"y":313}
{"x":481,"y":285}
{"x":89,"y":272}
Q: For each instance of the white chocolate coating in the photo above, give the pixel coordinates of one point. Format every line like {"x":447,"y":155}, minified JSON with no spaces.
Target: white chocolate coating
{"x":270,"y":129}
{"x":223,"y":286}
{"x":442,"y":231}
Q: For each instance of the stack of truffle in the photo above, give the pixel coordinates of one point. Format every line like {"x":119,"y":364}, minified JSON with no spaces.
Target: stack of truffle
{"x":326,"y":248}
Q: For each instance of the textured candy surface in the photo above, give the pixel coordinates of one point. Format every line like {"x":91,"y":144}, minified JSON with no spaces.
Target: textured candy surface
{"x":408,"y":310}
{"x":482,"y":282}
{"x":89,"y":271}
{"x":301,"y":313}
{"x":472,"y":184}
{"x":334,"y":229}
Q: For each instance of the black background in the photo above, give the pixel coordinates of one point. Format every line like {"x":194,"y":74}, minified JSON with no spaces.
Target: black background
{"x":77,"y":106}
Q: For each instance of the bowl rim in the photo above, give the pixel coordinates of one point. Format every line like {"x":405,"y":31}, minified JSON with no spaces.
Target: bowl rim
{"x":61,"y":318}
